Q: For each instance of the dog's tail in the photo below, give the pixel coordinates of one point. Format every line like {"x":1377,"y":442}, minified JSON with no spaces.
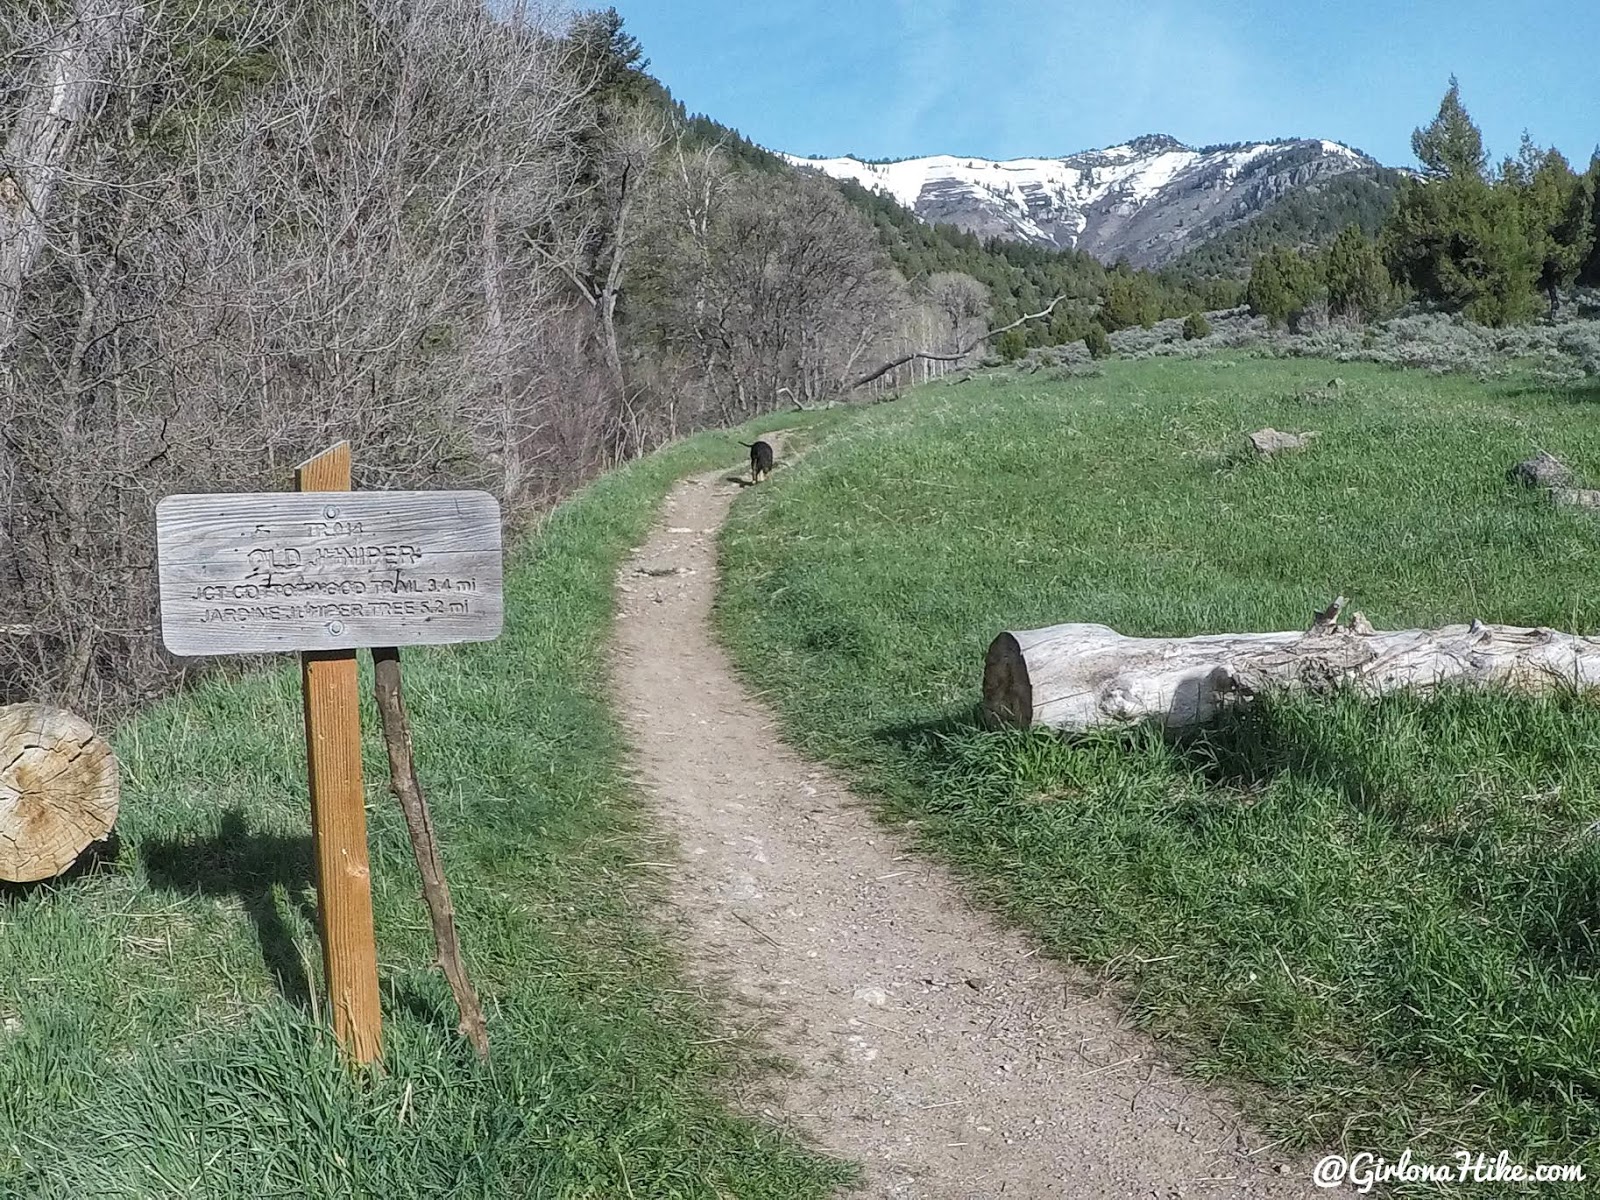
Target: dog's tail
{"x":747,"y":445}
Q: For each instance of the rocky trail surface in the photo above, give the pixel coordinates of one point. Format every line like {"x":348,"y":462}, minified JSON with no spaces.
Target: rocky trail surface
{"x":932,"y":1045}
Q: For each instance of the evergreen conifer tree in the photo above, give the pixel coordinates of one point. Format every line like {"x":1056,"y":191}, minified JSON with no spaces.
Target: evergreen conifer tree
{"x":1281,"y":284}
{"x":1358,"y":283}
{"x":1557,"y":215}
{"x":1589,"y":275}
{"x":1450,"y":146}
{"x":1455,"y":239}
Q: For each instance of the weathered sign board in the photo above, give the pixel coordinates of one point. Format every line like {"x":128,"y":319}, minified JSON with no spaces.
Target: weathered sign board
{"x":246,"y":573}
{"x":324,"y":570}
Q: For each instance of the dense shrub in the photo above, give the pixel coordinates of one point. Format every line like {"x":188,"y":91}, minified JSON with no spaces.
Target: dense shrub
{"x":1097,"y":342}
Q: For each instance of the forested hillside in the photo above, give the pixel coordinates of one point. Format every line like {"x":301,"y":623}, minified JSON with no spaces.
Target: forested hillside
{"x":487,"y":249}
{"x":1305,"y":219}
{"x":493,"y":251}
{"x":1495,"y":245}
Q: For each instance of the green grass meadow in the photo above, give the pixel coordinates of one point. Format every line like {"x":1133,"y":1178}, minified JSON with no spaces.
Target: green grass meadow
{"x":162,"y":1036}
{"x":1379,"y":921}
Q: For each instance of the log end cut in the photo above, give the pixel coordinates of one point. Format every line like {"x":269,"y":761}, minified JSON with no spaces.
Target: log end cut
{"x":58,"y":791}
{"x":1007,"y":689}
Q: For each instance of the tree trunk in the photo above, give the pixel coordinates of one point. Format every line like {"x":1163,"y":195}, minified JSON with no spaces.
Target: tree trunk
{"x":72,"y":74}
{"x":58,"y":791}
{"x":1077,"y":677}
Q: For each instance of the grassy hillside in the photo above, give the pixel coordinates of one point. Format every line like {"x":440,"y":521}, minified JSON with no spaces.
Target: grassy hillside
{"x":161,"y":1031}
{"x":1381,"y":919}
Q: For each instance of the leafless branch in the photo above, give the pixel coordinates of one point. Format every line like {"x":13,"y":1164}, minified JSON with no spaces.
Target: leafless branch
{"x":959,"y":354}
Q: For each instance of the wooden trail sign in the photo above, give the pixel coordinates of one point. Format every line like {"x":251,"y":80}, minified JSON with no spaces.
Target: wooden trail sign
{"x":321,"y":569}
{"x":324,"y":570}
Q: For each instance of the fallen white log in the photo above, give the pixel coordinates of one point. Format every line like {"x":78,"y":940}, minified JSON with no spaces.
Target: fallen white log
{"x":1566,"y":497}
{"x":1075,"y":677}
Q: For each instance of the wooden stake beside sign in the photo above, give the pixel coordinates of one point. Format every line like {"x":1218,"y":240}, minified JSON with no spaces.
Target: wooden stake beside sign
{"x":324,"y":571}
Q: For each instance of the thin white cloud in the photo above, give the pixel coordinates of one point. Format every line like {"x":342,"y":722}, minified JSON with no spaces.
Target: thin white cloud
{"x":1101,"y":75}
{"x":926,"y":64}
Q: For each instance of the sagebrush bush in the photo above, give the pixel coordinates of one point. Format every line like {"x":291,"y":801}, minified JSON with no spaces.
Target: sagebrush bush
{"x":1562,"y":351}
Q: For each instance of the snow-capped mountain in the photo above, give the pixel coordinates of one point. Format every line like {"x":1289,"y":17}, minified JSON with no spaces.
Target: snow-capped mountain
{"x":1148,"y":200}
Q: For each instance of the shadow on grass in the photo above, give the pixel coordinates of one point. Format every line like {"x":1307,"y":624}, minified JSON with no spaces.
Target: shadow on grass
{"x":1562,"y":913}
{"x":423,"y":1008}
{"x":250,"y":865}
{"x":1242,"y":753}
{"x":923,"y":738}
{"x":95,"y":856}
{"x":1247,"y":750}
{"x":1587,"y":392}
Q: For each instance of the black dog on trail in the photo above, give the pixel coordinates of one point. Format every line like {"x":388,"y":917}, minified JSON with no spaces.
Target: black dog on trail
{"x":760,"y":460}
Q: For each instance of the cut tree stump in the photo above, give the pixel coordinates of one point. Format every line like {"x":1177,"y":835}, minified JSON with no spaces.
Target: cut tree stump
{"x":58,"y":791}
{"x":1080,"y":676}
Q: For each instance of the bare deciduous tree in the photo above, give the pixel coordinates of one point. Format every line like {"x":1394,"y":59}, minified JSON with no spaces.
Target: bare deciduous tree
{"x":313,"y":234}
{"x":230,"y":234}
{"x":783,"y":287}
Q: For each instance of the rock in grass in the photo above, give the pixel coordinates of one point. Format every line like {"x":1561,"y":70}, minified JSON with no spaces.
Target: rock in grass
{"x":1565,"y":497}
{"x":1267,"y":442}
{"x":1541,"y":471}
{"x":1324,"y":395}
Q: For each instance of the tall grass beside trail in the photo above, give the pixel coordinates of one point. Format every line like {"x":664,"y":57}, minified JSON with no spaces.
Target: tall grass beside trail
{"x":161,"y":1029}
{"x":1380,"y":920}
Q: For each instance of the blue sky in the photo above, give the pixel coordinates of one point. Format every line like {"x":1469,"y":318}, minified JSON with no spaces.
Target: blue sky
{"x":1004,"y":79}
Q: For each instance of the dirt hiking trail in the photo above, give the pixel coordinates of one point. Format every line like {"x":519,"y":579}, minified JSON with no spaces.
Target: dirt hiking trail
{"x":933,"y":1046}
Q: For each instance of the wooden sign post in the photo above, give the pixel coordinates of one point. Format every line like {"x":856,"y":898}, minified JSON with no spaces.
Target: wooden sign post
{"x":325,"y":570}
{"x":339,"y":814}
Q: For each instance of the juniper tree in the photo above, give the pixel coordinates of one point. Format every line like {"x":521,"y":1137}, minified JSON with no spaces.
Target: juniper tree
{"x":1557,"y":214}
{"x":1590,"y":274}
{"x":1098,"y":344}
{"x":1450,"y":146}
{"x":1452,"y":237}
{"x":1282,"y":283}
{"x":1130,"y":299}
{"x":1358,"y":283}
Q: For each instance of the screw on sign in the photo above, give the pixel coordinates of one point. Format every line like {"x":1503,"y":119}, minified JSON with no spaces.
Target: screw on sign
{"x":324,"y":575}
